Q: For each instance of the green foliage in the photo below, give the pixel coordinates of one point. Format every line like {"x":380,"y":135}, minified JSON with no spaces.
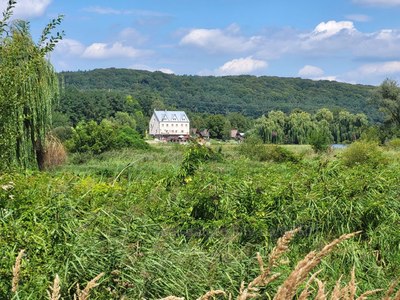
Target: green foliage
{"x":320,"y":140}
{"x":362,"y":152}
{"x":28,"y":88}
{"x":194,"y":156}
{"x":98,"y":138}
{"x":387,"y":98}
{"x":63,"y":133}
{"x":254,"y":149}
{"x":300,"y":127}
{"x":153,"y":241}
{"x":249,"y":95}
{"x":394,"y":144}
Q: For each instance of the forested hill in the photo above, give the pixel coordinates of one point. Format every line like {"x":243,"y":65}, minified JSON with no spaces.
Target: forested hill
{"x":250,"y":95}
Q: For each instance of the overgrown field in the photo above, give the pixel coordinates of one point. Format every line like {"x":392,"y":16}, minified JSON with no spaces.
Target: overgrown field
{"x":183,"y":220}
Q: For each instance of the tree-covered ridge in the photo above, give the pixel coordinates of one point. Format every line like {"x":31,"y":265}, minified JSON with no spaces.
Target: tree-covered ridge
{"x":250,"y":95}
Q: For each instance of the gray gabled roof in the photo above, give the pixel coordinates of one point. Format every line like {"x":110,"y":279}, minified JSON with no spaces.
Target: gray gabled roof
{"x":171,"y":116}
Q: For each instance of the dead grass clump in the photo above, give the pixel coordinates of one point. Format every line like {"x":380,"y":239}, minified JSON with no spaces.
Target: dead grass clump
{"x":55,"y":153}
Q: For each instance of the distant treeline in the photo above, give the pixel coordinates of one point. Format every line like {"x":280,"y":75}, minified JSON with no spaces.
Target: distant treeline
{"x":100,"y":93}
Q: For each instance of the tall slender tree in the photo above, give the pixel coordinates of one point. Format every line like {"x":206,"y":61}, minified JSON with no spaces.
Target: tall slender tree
{"x":28,"y":89}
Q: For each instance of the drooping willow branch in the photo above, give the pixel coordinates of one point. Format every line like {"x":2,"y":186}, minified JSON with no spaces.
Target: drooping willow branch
{"x":28,"y":89}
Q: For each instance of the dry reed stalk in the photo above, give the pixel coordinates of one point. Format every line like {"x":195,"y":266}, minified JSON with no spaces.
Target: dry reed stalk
{"x":265,"y":278}
{"x":306,"y":292}
{"x":390,"y":291}
{"x":337,"y":292}
{"x":84,"y":295}
{"x":54,"y":293}
{"x":365,"y":295}
{"x":397,"y":296}
{"x":321,"y":295}
{"x":288,"y":289}
{"x":16,"y":271}
{"x":352,"y":284}
{"x":211,"y":294}
{"x":282,"y":246}
{"x":55,"y":154}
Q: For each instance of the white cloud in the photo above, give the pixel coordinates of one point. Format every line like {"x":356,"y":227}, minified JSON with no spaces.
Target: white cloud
{"x":309,"y":71}
{"x":166,"y":71}
{"x":381,"y":44}
{"x":105,"y":10}
{"x":385,"y":68}
{"x":373,"y":73}
{"x":378,"y":2}
{"x":112,"y":11}
{"x":70,"y":47}
{"x":28,"y":8}
{"x":329,"y":78}
{"x":116,"y":50}
{"x":332,"y":28}
{"x":131,"y":35}
{"x":359,"y":18}
{"x":217,"y":40}
{"x":241,"y":66}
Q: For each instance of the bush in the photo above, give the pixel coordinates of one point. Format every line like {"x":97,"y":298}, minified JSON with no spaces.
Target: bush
{"x":98,"y":138}
{"x":254,"y":149}
{"x":394,"y":144}
{"x":63,"y":133}
{"x":361,"y":152}
{"x":194,"y":156}
{"x":320,"y":141}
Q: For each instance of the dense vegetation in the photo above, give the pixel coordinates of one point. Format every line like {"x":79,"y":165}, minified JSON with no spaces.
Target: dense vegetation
{"x":252,"y":96}
{"x":178,"y":220}
{"x":146,"y":222}
{"x":28,"y":88}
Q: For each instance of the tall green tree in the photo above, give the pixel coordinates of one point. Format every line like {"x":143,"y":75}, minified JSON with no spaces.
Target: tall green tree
{"x":28,"y":88}
{"x":387,"y":98}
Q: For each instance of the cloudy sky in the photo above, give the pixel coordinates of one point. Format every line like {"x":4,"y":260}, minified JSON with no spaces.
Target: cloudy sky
{"x":356,"y":41}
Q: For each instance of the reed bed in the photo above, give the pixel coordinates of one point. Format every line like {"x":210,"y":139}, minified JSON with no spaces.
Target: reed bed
{"x":298,"y":285}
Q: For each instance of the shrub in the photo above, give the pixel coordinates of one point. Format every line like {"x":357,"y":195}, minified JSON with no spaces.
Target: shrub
{"x":194,"y":156}
{"x":361,"y":152}
{"x":320,"y":141}
{"x":98,"y":138}
{"x":394,"y":144}
{"x":63,"y":133}
{"x":254,"y":149}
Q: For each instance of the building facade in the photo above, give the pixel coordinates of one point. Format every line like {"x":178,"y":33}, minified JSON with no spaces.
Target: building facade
{"x":169,"y":125}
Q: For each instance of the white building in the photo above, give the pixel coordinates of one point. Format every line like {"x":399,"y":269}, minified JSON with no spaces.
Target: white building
{"x":169,"y":125}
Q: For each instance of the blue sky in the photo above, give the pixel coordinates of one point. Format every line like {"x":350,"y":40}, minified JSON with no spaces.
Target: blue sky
{"x":356,"y":41}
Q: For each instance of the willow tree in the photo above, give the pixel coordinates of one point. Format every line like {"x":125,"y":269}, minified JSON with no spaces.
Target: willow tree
{"x":28,"y":89}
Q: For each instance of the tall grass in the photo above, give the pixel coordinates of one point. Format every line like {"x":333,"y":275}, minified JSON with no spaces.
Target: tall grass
{"x":186,"y":238}
{"x":287,"y":290}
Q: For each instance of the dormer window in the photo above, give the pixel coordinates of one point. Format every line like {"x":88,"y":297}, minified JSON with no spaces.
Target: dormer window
{"x":164,"y":118}
{"x":174,"y":117}
{"x":183,"y":118}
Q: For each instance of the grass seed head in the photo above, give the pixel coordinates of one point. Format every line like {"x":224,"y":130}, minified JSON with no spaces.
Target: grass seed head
{"x":16,"y":271}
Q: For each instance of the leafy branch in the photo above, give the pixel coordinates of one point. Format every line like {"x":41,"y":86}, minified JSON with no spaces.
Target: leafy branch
{"x":47,"y":41}
{"x":6,"y":16}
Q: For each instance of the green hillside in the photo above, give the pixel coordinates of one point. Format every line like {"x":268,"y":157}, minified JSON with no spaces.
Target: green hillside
{"x":250,"y":95}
